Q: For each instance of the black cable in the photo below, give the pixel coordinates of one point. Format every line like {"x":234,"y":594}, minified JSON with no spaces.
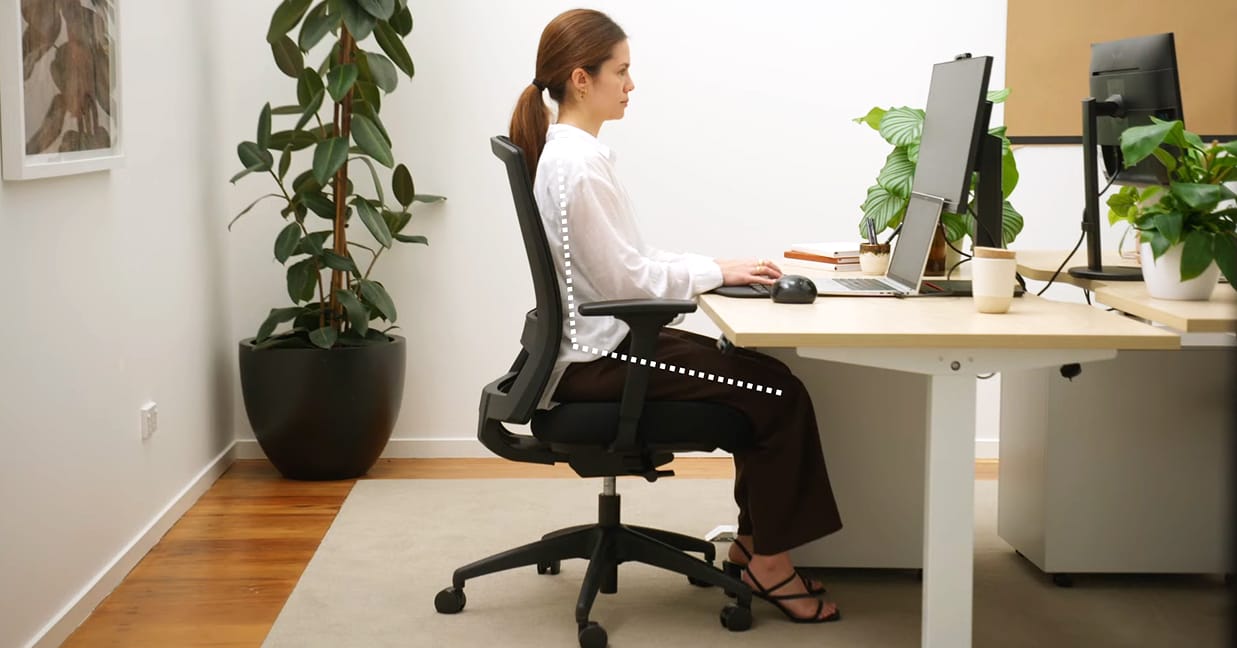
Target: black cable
{"x":1076,"y":245}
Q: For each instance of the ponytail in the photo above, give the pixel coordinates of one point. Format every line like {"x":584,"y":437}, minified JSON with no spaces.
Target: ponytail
{"x":579,"y":38}
{"x":529,"y":124}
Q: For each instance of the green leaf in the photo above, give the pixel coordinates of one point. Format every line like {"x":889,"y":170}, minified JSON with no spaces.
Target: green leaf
{"x":1159,"y":244}
{"x":396,"y":221}
{"x":1196,"y":256}
{"x":312,"y":244}
{"x":317,"y":25}
{"x":1169,"y":224}
{"x":391,"y":43}
{"x":401,"y":22}
{"x":1166,"y":159}
{"x":380,"y":9}
{"x":311,"y":108}
{"x":240,"y":175}
{"x":1009,"y":174}
{"x":872,"y":119}
{"x":302,"y":279}
{"x":377,"y":296}
{"x":373,"y":220}
{"x":884,"y":208}
{"x":428,"y":198}
{"x":254,"y":157}
{"x":286,"y":16}
{"x":276,"y":317}
{"x":285,"y":161}
{"x":1224,"y":250}
{"x":401,"y":184}
{"x":308,"y":84}
{"x":1121,"y":203}
{"x":373,"y":172}
{"x":370,"y":139}
{"x":356,"y":19}
{"x":336,"y":261}
{"x":286,"y":110}
{"x":264,"y":127}
{"x":329,"y":155}
{"x":901,"y":126}
{"x":340,"y":79}
{"x":1201,"y":197}
{"x":1011,"y":223}
{"x":382,"y":71}
{"x":285,"y":243}
{"x":1138,"y":142}
{"x":288,"y":57}
{"x":404,"y":238}
{"x":897,"y":174}
{"x":319,"y":204}
{"x":998,"y":96}
{"x":251,"y":206}
{"x":358,"y":314}
{"x":324,"y":337}
{"x":294,"y":139}
{"x":369,"y":94}
{"x":956,"y":226}
{"x":912,"y":152}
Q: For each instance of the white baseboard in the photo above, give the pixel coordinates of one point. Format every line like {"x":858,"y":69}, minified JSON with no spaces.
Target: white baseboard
{"x":63,"y":624}
{"x":987,"y":449}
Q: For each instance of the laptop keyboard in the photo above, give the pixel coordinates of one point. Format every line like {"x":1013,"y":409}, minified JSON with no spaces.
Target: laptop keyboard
{"x":865,"y":284}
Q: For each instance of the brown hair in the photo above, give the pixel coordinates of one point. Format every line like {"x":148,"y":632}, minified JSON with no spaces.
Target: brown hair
{"x":579,"y":38}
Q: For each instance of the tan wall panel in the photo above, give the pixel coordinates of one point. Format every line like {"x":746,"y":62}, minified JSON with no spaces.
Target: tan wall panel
{"x":1048,"y":55}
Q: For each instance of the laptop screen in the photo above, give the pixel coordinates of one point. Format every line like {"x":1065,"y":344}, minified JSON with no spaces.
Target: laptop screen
{"x":910,"y":255}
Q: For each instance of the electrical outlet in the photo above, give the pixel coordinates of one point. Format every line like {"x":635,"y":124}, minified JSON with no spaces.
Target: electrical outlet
{"x":150,"y":419}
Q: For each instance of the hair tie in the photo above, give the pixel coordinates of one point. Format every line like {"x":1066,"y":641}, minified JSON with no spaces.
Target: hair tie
{"x":539,"y":85}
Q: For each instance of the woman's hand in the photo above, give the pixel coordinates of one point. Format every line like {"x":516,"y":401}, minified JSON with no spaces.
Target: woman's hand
{"x":740,"y":272}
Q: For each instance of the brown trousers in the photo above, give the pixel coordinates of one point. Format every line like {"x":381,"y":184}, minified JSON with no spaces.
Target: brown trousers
{"x":781,"y":484}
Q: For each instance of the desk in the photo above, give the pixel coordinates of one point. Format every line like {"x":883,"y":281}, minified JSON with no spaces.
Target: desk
{"x":945,"y":339}
{"x":1216,"y":316}
{"x":1041,"y":264}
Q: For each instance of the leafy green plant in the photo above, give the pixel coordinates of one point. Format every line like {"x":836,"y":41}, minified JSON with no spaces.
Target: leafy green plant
{"x":349,"y":83}
{"x":1195,"y":209}
{"x":887,"y":199}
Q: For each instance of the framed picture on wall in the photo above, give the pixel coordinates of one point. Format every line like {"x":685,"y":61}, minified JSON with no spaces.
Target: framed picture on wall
{"x":60,"y":102}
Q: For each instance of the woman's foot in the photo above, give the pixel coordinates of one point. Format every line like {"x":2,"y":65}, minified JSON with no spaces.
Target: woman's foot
{"x":740,"y":555}
{"x":773,"y":578}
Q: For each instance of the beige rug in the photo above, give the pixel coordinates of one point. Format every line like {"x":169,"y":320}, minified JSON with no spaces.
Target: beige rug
{"x":395,"y":544}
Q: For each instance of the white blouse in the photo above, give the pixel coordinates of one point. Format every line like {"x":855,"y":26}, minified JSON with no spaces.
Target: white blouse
{"x":597,"y":248}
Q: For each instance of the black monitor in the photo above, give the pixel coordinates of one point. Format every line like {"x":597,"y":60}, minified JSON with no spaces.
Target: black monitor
{"x":956,"y":143}
{"x":1132,"y":80}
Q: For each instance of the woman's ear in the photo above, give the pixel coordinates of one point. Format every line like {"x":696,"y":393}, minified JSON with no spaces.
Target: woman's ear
{"x":579,"y":79}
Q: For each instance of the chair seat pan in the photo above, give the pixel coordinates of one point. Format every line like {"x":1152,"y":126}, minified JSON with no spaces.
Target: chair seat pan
{"x":665,"y":424}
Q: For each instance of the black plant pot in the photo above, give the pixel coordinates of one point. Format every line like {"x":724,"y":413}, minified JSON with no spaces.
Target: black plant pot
{"x":323,"y":414}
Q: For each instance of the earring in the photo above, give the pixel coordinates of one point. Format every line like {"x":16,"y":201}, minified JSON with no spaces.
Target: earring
{"x":581,"y":95}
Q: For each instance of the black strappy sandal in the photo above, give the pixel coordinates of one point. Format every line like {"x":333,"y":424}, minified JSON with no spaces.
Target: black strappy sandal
{"x":767,"y":594}
{"x":735,"y":571}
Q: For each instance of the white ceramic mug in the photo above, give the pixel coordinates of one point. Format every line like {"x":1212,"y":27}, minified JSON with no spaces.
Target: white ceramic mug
{"x":992,"y":279}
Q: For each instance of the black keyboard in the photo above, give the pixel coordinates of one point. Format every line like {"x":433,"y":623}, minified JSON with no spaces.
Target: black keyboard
{"x":865,"y":284}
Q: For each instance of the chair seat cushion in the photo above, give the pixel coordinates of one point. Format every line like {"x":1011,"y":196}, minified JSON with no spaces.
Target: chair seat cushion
{"x":665,"y":425}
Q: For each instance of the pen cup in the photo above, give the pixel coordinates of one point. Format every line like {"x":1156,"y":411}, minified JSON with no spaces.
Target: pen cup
{"x":992,"y":279}
{"x":873,"y":258}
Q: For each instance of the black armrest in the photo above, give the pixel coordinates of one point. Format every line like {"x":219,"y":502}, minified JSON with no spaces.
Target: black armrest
{"x":645,"y":317}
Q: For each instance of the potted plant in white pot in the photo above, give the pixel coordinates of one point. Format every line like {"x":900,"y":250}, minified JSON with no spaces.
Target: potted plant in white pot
{"x":1187,"y":230}
{"x":886,"y":200}
{"x":323,"y":394}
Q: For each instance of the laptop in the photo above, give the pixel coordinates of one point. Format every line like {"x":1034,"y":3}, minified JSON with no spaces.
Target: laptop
{"x":910,"y":256}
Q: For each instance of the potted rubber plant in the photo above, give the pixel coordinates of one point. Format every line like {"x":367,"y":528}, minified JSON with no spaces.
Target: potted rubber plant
{"x":323,"y":392}
{"x":887,"y":199}
{"x":1187,"y":230}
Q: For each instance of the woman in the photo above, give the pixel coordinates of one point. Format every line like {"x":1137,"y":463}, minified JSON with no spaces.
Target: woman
{"x":781,"y":485}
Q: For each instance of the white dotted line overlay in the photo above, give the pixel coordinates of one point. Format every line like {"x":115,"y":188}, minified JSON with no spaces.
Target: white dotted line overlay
{"x":571,"y":313}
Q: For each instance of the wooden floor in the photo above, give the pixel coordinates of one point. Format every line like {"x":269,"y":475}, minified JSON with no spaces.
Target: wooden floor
{"x":222,"y":573}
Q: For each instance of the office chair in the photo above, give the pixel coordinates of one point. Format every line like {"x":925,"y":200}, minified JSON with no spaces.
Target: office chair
{"x":597,"y":439}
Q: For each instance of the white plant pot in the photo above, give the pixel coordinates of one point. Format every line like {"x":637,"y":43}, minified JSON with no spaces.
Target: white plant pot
{"x":1163,"y":276}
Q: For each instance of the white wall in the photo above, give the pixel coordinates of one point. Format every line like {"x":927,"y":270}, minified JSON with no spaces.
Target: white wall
{"x":113,"y":296}
{"x":738,"y":140}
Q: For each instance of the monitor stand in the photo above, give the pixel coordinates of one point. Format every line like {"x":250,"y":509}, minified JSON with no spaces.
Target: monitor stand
{"x":1091,"y":214}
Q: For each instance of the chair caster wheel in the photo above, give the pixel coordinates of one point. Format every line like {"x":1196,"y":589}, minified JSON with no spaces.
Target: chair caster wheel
{"x":549,"y":567}
{"x":697,"y":582}
{"x":450,"y":601}
{"x":1062,"y":580}
{"x":593,"y":635}
{"x":735,"y":618}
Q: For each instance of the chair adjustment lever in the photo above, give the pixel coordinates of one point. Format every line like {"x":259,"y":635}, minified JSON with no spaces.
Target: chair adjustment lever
{"x":654,"y":474}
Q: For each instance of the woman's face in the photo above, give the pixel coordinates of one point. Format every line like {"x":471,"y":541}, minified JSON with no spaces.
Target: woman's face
{"x":607,"y":93}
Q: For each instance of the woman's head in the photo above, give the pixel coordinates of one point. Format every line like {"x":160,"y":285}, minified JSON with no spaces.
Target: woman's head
{"x":582,"y":61}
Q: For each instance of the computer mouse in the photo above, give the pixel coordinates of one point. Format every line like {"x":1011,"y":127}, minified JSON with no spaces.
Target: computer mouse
{"x":793,"y":289}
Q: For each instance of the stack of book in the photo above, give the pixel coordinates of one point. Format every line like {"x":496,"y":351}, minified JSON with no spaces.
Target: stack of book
{"x":827,"y":256}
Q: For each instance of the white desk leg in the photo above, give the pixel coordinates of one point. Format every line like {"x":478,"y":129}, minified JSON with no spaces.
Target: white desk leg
{"x":949,"y":509}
